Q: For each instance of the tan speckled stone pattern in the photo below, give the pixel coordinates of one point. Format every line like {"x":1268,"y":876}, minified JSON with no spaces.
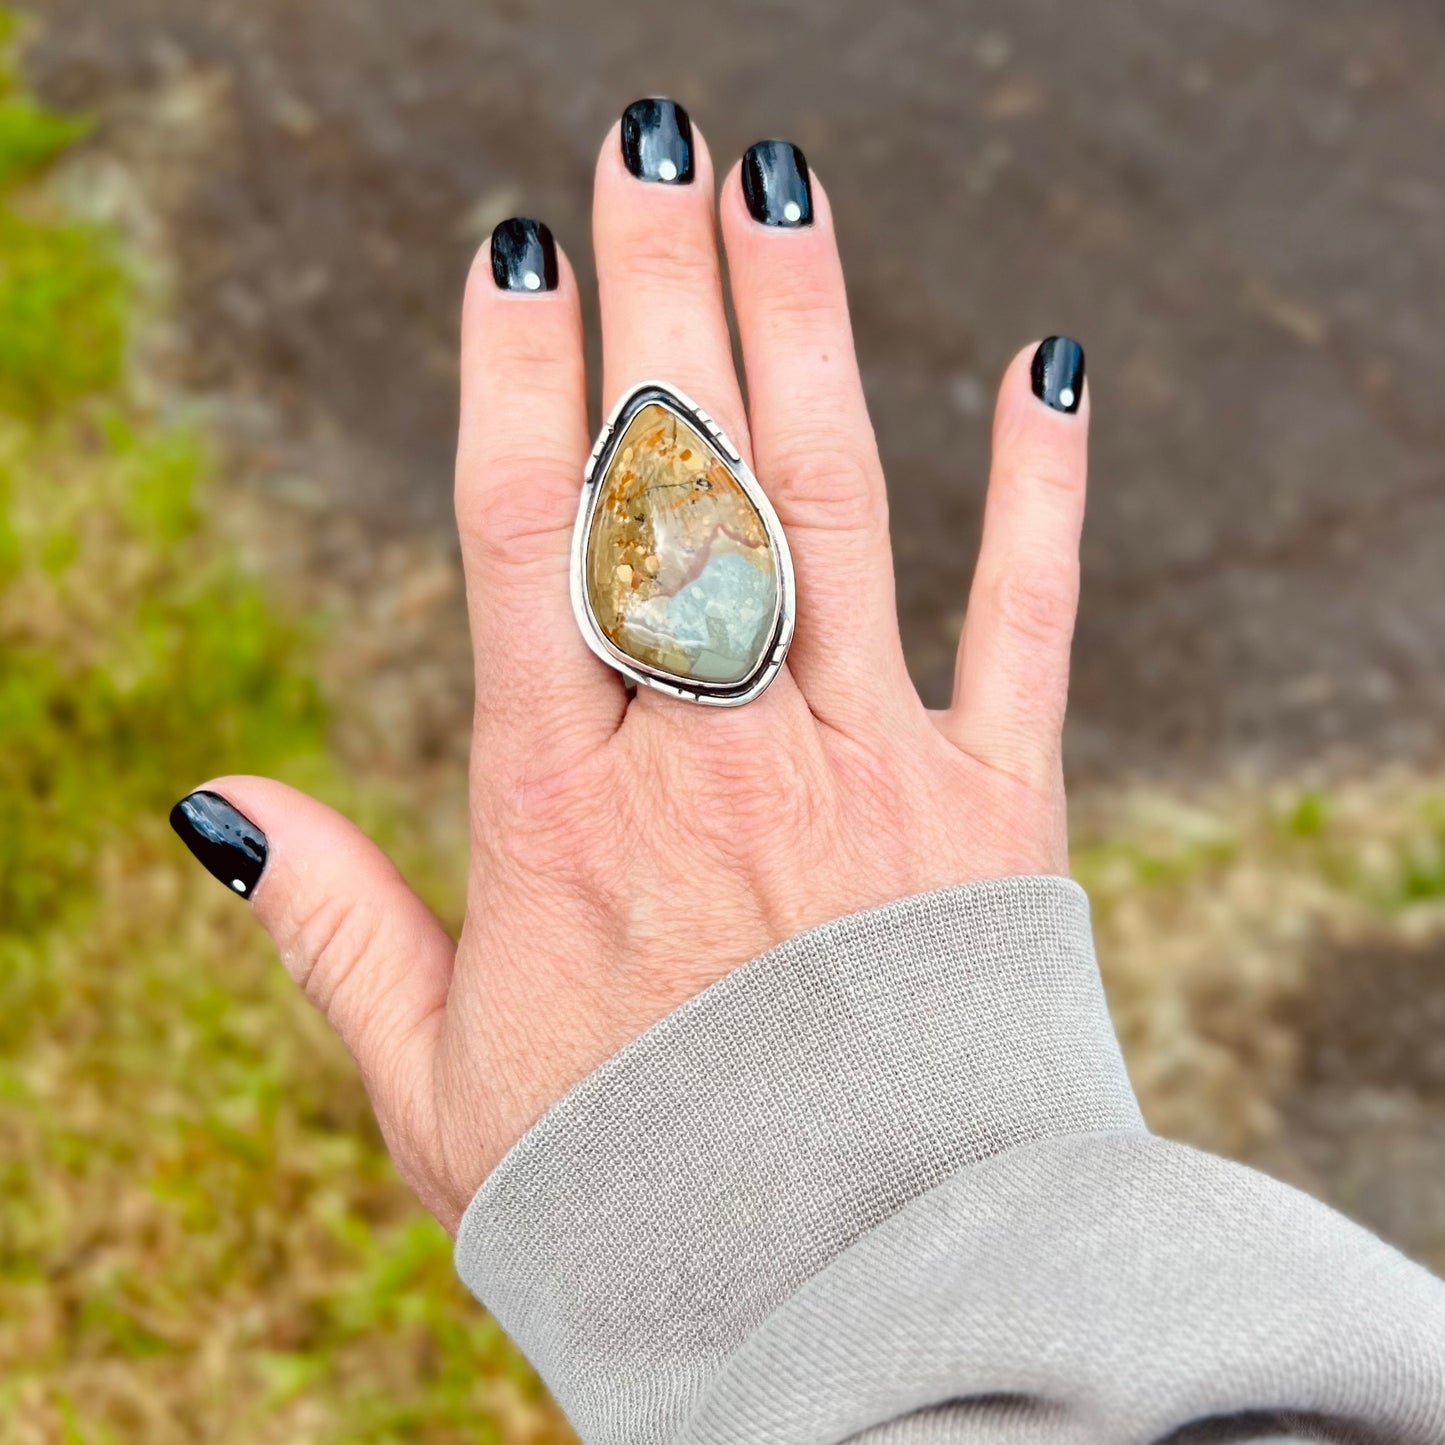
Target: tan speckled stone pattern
{"x":679,"y":571}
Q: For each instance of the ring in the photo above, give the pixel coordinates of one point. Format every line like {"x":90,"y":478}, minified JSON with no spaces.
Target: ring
{"x":681,"y":577}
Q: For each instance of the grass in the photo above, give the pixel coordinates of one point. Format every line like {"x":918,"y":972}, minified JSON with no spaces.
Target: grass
{"x":200,"y":1235}
{"x":1215,"y":916}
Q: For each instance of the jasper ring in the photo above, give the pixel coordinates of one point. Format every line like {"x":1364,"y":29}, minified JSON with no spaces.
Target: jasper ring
{"x":681,"y":578}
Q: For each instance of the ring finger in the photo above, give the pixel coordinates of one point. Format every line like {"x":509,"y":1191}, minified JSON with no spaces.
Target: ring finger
{"x":658,"y":276}
{"x":660,"y":285}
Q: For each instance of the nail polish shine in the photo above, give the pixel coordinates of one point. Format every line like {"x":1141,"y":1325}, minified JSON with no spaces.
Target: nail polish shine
{"x":657,"y":141}
{"x":524,"y":256}
{"x":776,"y":184}
{"x":227,"y":843}
{"x":1058,"y":373}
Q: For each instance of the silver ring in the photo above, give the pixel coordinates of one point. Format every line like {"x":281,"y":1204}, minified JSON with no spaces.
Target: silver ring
{"x":681,"y":577}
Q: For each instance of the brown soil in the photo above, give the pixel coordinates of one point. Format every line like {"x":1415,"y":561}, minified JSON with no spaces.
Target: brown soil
{"x":1365,"y":1127}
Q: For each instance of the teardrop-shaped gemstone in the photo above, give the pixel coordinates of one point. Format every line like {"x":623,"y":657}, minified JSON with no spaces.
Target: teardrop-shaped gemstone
{"x":680,"y":575}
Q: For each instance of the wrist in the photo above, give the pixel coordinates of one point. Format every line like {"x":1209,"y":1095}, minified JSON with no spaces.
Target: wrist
{"x":677,"y":1195}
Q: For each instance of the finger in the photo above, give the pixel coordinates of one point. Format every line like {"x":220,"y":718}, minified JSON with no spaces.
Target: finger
{"x":812,"y":439}
{"x":361,"y":945}
{"x":1012,"y":679}
{"x":658,"y":276}
{"x":523,"y":445}
{"x":660,"y":286}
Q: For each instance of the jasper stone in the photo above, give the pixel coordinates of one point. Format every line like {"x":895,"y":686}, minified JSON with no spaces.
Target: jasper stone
{"x":680,"y":575}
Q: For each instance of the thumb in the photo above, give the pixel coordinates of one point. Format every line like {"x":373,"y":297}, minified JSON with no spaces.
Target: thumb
{"x":362,"y":946}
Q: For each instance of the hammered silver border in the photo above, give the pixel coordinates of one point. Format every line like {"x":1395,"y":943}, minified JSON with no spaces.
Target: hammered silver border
{"x":685,"y":409}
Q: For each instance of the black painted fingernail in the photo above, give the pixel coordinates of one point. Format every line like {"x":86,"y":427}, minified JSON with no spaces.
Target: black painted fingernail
{"x":524,"y":256}
{"x":231,"y":846}
{"x":657,"y":141}
{"x":1058,"y":373}
{"x":776,"y":184}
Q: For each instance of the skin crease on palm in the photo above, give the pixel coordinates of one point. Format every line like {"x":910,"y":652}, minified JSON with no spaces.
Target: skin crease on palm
{"x":628,"y":851}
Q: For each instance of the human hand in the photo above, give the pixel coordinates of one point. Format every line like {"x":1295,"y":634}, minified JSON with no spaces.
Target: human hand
{"x":628,"y":851}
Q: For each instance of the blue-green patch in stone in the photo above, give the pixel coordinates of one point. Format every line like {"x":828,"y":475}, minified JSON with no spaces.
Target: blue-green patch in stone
{"x":721,"y":616}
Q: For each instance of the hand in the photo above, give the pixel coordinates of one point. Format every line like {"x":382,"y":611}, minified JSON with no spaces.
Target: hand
{"x":628,"y":852}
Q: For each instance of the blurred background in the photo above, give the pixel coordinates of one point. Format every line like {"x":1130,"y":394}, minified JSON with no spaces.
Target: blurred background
{"x":233,"y":238}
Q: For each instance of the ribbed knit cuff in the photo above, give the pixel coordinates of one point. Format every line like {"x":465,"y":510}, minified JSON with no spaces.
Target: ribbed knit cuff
{"x":657,"y":1215}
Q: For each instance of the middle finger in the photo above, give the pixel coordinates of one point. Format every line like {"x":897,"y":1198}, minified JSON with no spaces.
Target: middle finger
{"x":660,"y":284}
{"x":658,"y":275}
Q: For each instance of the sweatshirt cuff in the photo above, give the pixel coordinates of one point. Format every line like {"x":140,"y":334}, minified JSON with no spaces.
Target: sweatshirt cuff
{"x":664,"y":1208}
{"x":1100,"y":1288}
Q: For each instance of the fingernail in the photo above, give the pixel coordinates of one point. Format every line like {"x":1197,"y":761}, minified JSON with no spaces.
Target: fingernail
{"x":1058,"y":373}
{"x":776,"y":184}
{"x":657,"y":141}
{"x":229,"y":845}
{"x":524,"y":256}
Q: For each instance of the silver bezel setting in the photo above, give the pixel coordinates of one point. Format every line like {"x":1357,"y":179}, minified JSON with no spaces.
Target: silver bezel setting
{"x":734,"y":694}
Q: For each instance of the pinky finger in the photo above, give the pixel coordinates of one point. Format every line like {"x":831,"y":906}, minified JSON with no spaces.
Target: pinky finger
{"x":360,"y":944}
{"x":1012,"y":678}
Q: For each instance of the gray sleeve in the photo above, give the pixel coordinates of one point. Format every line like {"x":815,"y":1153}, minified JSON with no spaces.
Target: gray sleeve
{"x":888,"y":1183}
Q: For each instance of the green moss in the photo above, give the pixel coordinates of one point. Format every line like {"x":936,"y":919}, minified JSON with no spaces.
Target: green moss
{"x":62,"y":290}
{"x":61,"y":313}
{"x":31,"y":136}
{"x":1309,"y":816}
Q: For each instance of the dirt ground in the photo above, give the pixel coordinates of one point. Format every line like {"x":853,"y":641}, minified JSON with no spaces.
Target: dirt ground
{"x":1236,"y":204}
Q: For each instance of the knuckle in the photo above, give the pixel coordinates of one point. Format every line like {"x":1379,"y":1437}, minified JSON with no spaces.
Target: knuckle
{"x":1036,"y":603}
{"x":753,"y":803}
{"x":531,"y":352}
{"x":752,"y":809}
{"x":764,"y":815}
{"x":334,"y":938}
{"x":807,"y":300}
{"x":526,"y":355}
{"x":1040,"y":464}
{"x":1053,"y":475}
{"x":513,"y":505}
{"x":669,"y":257}
{"x":829,"y":486}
